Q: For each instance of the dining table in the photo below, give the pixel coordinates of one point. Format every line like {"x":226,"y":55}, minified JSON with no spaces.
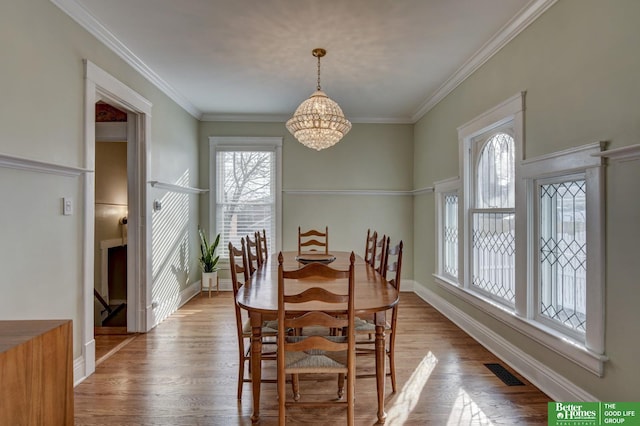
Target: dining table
{"x":374,"y":296}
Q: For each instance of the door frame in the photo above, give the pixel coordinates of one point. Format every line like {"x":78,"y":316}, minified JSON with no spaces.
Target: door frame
{"x":101,"y":86}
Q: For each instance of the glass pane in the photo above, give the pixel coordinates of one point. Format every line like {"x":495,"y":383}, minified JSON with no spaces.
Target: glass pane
{"x":496,"y":173}
{"x":450,"y":249}
{"x":245,"y":196}
{"x":563,"y":253}
{"x":493,"y":240}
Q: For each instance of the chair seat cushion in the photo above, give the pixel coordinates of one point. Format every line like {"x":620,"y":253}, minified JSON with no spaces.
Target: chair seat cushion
{"x":268,"y":328}
{"x":361,"y":325}
{"x":315,"y":360}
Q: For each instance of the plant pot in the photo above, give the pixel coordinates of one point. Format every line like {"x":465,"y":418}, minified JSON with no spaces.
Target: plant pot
{"x":211,"y":280}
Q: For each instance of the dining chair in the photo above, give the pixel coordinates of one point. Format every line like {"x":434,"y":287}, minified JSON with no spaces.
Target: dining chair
{"x":370,"y":247}
{"x":238,"y":266}
{"x":316,"y":353}
{"x":253,"y":257}
{"x":380,"y":258}
{"x":307,"y":241}
{"x":366,"y":325}
{"x":263,"y":247}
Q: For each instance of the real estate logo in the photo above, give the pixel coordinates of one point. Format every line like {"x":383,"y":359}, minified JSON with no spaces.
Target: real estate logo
{"x":593,"y":413}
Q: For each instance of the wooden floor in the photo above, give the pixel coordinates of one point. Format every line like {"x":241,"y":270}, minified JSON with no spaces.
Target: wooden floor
{"x":184,"y":373}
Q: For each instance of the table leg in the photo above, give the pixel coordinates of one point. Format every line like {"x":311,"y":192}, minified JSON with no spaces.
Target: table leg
{"x":256,"y":363}
{"x":380,"y":367}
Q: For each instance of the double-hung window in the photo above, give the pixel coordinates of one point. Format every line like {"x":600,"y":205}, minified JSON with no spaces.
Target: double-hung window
{"x":529,"y":235}
{"x":245,"y":175}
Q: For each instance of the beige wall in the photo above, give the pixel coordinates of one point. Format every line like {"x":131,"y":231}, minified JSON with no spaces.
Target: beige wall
{"x":579,"y":65}
{"x":42,"y":118}
{"x":370,"y":157}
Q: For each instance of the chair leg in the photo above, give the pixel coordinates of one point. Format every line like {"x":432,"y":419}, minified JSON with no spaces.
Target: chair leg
{"x":392,"y":361}
{"x":282,"y":415}
{"x":240,"y":375}
{"x":295,"y":386}
{"x":351,"y":400}
{"x":340,"y":385}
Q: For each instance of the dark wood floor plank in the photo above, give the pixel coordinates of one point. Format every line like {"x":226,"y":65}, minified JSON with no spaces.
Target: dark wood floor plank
{"x":184,"y":373}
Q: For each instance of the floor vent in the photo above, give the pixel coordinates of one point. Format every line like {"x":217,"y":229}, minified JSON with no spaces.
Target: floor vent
{"x":508,"y":378}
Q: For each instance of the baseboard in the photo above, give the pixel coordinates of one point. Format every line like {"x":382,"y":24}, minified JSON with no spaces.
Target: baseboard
{"x":85,"y":364}
{"x":546,"y":379}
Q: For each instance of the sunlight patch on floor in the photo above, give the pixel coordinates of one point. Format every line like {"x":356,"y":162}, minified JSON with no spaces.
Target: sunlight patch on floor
{"x":465,"y":412}
{"x":408,"y":397}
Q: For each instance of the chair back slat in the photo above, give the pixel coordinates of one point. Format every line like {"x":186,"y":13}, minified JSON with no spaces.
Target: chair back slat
{"x":370,"y":247}
{"x":306,"y":240}
{"x":252,"y":253}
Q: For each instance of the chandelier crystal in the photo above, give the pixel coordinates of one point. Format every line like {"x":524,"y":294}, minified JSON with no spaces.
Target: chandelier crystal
{"x":318,"y":122}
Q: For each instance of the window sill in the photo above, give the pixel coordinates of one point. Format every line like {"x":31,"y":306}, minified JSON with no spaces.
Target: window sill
{"x":570,"y":349}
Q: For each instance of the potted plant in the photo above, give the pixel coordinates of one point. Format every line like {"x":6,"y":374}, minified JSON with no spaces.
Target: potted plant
{"x":208,"y":261}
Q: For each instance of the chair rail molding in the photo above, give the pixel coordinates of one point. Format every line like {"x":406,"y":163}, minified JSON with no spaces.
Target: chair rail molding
{"x":21,"y":163}
{"x":177,"y":188}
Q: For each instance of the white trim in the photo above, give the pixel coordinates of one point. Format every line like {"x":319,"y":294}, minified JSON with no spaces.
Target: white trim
{"x":86,"y":20}
{"x":99,"y":85}
{"x":571,"y":350}
{"x":351,"y":192}
{"x":565,"y":161}
{"x":547,"y":380}
{"x":626,"y":153}
{"x":235,"y":142}
{"x":515,"y":26}
{"x":281,"y":118}
{"x":20,"y":163}
{"x":494,"y":117}
{"x":177,"y":188}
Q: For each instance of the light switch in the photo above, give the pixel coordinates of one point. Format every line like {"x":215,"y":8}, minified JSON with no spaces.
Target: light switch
{"x":67,"y":206}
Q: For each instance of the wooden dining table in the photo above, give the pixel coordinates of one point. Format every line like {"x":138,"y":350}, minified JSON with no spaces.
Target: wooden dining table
{"x":259,"y":296}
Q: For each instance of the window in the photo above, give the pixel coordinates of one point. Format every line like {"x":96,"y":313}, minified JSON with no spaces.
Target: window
{"x":562,"y":253}
{"x":447,"y":217}
{"x":493,"y":217}
{"x":246,"y":179}
{"x":530,"y":235}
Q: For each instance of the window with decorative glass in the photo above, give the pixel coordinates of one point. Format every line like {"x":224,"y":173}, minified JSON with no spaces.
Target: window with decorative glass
{"x":493,"y":216}
{"x":447,"y":217}
{"x":530,"y":234}
{"x":562,"y":252}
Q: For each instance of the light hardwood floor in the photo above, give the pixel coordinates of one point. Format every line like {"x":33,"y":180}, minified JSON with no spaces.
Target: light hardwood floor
{"x":184,"y":373}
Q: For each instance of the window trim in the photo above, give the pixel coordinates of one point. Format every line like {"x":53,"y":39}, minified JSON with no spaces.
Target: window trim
{"x":584,"y":160}
{"x":242,"y":143}
{"x":442,"y":189}
{"x":589,"y":354}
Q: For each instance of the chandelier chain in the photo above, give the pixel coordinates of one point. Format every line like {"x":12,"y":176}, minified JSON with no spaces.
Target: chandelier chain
{"x":318,"y":72}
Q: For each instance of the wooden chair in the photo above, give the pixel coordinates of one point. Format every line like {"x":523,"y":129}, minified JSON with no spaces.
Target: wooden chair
{"x":253,"y":257}
{"x":263,"y":247}
{"x":238,"y":265}
{"x":366,"y":326}
{"x":307,"y":241}
{"x":370,"y":247}
{"x":316,"y":353}
{"x":380,"y":258}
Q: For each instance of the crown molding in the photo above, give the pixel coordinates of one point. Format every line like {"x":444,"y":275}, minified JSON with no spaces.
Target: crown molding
{"x":281,"y":118}
{"x":510,"y":30}
{"x":86,"y":20}
{"x":516,"y":25}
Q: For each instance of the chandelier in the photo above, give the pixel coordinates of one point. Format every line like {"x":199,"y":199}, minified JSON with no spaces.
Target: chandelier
{"x":318,"y":122}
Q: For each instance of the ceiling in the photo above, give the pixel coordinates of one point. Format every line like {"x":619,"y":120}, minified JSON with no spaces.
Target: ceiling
{"x":387,"y":61}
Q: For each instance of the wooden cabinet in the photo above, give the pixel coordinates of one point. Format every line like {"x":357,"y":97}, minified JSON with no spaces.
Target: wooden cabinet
{"x":36,"y":373}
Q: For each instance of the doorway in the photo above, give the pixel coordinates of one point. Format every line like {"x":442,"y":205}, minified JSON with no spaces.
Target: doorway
{"x":110,"y":230}
{"x":102,"y":87}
